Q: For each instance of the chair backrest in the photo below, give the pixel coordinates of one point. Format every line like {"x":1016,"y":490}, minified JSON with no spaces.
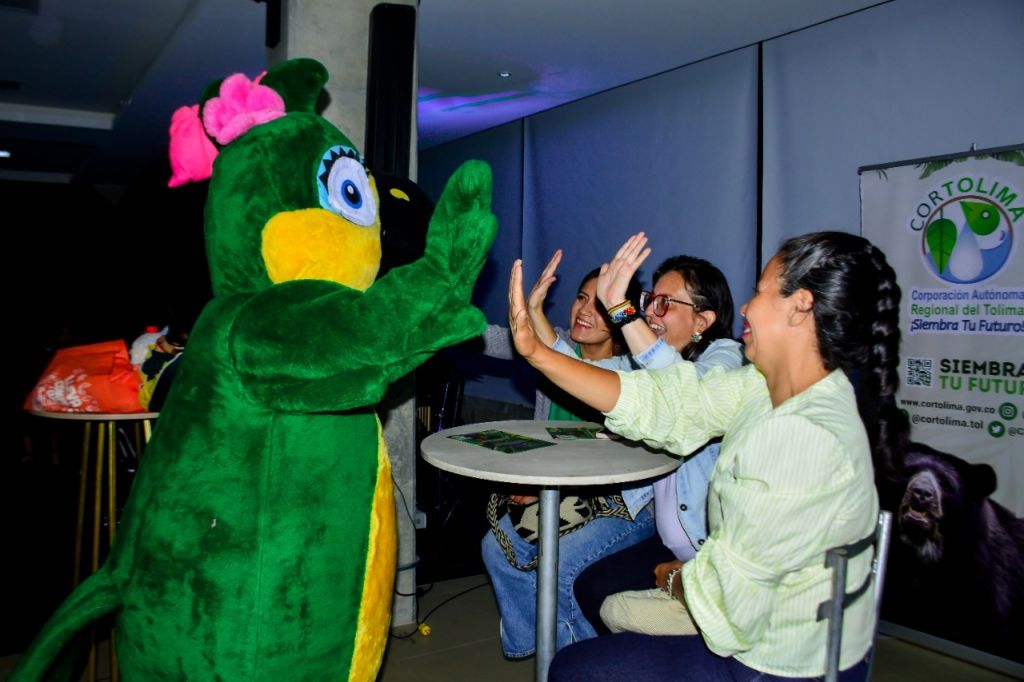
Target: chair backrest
{"x":837,"y":558}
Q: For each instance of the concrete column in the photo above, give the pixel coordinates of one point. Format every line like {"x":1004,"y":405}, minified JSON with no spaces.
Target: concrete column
{"x":336,"y":33}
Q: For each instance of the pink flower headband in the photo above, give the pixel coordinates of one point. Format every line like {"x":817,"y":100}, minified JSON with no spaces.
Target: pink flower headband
{"x":241,"y":105}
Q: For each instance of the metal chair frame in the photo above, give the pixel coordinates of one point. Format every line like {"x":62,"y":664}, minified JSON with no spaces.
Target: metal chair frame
{"x":836,"y":559}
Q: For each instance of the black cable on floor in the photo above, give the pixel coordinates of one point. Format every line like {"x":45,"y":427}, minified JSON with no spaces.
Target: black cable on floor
{"x":429,"y":613}
{"x":420,"y":591}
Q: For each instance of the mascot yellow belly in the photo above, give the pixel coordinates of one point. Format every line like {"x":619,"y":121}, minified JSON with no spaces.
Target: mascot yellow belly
{"x":375,"y":606}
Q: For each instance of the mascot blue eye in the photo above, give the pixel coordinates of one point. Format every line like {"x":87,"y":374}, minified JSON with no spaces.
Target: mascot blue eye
{"x":344,"y":186}
{"x":351,"y":194}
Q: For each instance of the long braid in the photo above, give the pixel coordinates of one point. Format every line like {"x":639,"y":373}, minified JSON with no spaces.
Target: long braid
{"x":890,"y":434}
{"x":856,"y":312}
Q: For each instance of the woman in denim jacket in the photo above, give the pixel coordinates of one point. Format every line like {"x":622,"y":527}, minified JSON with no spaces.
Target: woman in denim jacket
{"x":690,"y":314}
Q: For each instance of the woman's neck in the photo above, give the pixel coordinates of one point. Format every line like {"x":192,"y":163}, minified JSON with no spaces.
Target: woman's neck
{"x":794,"y":378}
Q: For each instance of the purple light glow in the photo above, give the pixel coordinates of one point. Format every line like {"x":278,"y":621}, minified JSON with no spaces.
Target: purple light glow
{"x":447,"y":116}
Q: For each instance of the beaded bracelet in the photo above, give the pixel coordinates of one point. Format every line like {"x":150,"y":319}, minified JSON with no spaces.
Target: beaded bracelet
{"x":670,"y":579}
{"x":623,"y":313}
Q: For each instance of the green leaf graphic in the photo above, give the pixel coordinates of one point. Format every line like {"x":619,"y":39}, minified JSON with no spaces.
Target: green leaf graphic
{"x":982,"y":218}
{"x":941,"y":238}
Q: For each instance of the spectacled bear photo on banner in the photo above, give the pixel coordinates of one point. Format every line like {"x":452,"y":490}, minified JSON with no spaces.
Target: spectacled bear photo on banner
{"x":950,"y":227}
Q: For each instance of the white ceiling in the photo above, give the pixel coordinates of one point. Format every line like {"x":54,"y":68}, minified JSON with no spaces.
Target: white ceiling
{"x":87,"y":86}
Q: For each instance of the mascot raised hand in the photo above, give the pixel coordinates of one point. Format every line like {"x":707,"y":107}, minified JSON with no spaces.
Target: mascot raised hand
{"x":258,"y":541}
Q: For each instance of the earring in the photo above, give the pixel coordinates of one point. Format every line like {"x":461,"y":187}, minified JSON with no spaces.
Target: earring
{"x":695,"y":337}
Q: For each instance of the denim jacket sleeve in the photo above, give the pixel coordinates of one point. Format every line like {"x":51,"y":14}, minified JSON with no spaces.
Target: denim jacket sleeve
{"x":693,"y":475}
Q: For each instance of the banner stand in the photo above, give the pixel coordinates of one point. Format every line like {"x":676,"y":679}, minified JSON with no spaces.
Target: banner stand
{"x":952,"y":227}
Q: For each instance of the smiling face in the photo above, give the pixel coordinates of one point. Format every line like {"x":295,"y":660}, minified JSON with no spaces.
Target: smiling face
{"x":680,"y":321}
{"x":766,"y":317}
{"x":588,"y":325}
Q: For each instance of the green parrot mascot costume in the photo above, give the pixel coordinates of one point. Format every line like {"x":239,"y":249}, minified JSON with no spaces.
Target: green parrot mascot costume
{"x":258,"y":541}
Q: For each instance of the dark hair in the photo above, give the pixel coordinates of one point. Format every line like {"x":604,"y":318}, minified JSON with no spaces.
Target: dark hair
{"x":707,"y":287}
{"x":633,"y":290}
{"x":856,"y":313}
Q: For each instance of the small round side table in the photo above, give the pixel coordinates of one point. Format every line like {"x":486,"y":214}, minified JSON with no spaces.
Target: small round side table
{"x":105,"y":470}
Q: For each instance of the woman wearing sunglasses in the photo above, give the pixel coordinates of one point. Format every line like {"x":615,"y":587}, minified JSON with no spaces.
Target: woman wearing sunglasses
{"x":690,"y":312}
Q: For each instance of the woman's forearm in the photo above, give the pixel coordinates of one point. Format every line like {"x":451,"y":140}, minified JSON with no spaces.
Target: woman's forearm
{"x":545,"y":332}
{"x":594,"y":386}
{"x":639,"y":336}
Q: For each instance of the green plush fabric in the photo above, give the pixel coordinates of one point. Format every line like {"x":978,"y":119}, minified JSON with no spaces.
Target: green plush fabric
{"x":243,"y":546}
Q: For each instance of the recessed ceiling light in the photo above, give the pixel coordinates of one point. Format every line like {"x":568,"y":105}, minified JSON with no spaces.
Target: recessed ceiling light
{"x":4,"y":154}
{"x":504,"y":74}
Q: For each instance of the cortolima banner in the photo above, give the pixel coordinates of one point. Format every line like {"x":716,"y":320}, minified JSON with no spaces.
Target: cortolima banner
{"x":951,"y":227}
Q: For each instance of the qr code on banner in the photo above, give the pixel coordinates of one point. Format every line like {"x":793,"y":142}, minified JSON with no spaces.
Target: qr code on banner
{"x":919,"y":372}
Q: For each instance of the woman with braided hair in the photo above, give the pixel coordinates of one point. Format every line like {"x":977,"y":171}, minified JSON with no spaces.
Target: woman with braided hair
{"x":794,"y":475}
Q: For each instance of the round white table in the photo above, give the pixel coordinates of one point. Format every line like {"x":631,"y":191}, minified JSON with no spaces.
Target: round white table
{"x":589,"y":461}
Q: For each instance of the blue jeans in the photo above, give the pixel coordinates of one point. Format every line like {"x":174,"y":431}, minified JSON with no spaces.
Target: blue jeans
{"x":628,"y":656}
{"x":516,"y":591}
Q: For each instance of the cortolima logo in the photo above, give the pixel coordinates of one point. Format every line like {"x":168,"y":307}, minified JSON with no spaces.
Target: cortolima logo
{"x":967,"y":237}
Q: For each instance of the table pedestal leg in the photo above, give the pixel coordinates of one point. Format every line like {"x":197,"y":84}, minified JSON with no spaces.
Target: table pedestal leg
{"x":547,"y":580}
{"x":83,"y":479}
{"x":105,"y":453}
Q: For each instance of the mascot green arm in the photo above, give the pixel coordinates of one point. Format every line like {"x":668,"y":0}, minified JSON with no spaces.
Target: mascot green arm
{"x":352,"y":344}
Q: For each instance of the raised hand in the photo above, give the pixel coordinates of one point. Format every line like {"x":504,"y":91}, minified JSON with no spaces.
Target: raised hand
{"x":535,"y":303}
{"x":523,"y":336}
{"x":615,"y":275}
{"x":462,"y":227}
{"x":540,"y":288}
{"x":595,"y":386}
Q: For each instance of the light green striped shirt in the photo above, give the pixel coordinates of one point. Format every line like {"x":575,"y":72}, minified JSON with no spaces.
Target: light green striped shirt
{"x":790,"y":483}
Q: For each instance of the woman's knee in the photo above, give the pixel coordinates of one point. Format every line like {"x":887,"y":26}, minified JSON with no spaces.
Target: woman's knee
{"x":604,"y":537}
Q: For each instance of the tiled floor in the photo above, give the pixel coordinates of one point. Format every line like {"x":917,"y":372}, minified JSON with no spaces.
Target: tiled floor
{"x":463,"y":646}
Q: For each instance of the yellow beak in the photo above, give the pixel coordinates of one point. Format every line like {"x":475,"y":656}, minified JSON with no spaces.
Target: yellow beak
{"x":314,"y":243}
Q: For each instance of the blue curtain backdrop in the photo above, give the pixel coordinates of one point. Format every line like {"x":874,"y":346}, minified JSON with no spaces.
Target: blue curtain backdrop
{"x":675,"y":154}
{"x":904,"y":80}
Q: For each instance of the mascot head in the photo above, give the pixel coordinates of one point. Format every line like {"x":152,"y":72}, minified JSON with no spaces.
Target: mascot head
{"x":326,"y":227}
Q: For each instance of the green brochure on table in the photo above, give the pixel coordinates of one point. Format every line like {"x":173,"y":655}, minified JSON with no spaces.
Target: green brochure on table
{"x":502,"y":441}
{"x":573,"y":432}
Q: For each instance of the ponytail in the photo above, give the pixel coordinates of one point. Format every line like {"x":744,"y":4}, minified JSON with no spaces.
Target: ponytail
{"x":887,"y":426}
{"x":856,"y":314}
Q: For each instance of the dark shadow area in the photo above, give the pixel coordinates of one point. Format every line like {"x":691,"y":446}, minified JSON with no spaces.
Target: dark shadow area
{"x":91,"y":265}
{"x":455,"y":506}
